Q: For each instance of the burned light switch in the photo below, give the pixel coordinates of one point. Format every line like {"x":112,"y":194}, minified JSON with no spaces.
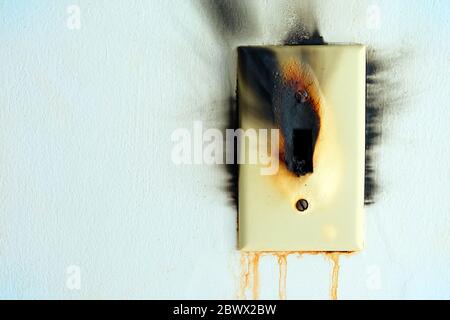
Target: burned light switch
{"x":305,"y":108}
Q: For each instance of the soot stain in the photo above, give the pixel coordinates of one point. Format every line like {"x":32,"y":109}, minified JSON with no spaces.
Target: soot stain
{"x":301,"y":36}
{"x":232,"y":169}
{"x":306,"y":29}
{"x":230,"y":20}
{"x":258,"y":67}
{"x":285,"y":100}
{"x":297,"y":117}
{"x":382,"y":95}
{"x":374,"y":112}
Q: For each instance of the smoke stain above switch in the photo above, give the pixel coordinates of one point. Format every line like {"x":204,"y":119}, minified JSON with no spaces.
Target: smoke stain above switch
{"x":233,"y":20}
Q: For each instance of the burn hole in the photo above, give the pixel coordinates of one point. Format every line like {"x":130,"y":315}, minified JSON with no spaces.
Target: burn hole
{"x":303,"y":147}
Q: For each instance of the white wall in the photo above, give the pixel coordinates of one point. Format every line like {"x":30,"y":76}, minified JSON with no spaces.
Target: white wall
{"x":86,"y":177}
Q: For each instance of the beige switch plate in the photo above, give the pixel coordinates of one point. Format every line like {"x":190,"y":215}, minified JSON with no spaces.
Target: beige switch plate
{"x":268,"y":218}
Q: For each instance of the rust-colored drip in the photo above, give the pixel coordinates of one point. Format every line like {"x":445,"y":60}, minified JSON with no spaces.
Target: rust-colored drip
{"x":334,"y":257}
{"x":245,"y":276}
{"x":249,"y":273}
{"x":250,"y":270}
{"x":254,"y":264}
{"x":282,"y":263}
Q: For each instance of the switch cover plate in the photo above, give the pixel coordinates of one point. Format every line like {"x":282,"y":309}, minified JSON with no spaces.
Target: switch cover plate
{"x":314,"y":94}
